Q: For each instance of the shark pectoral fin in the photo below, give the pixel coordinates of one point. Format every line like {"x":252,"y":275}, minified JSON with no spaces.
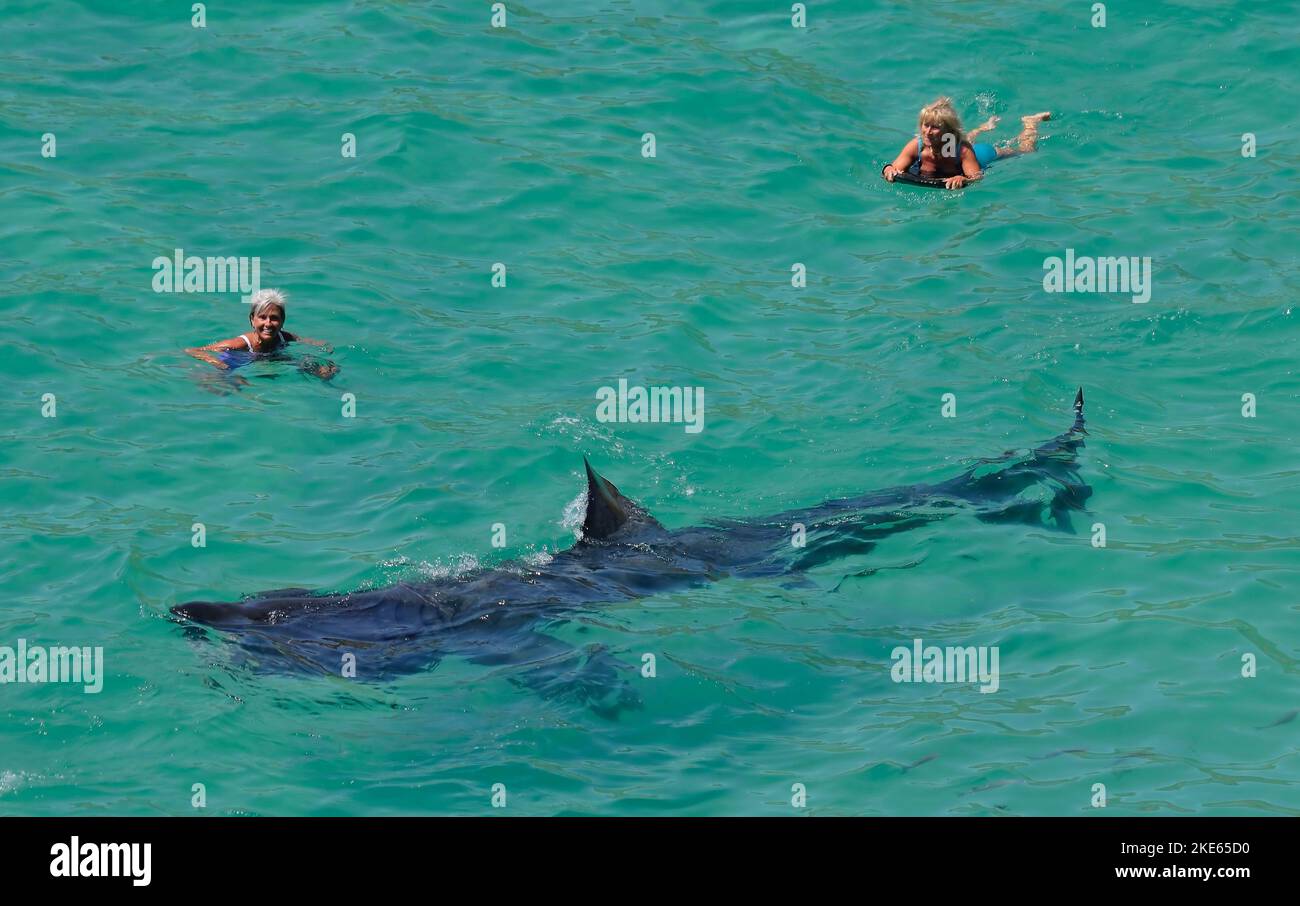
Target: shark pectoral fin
{"x":1060,"y":515}
{"x":559,"y":672}
{"x":1020,"y":512}
{"x":1053,"y":513}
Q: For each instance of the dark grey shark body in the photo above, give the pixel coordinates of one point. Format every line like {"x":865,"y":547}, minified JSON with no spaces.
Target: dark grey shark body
{"x":493,"y":616}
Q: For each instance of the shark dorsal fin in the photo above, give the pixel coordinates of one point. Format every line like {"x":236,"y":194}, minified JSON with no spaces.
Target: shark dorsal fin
{"x":606,"y":507}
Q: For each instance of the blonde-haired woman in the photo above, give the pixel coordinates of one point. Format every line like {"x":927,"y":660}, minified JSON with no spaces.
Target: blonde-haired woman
{"x":942,"y":150}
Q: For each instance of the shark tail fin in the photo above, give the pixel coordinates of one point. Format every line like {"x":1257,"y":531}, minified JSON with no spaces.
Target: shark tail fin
{"x":1054,"y":465}
{"x":1078,"y":426}
{"x":1071,"y":440}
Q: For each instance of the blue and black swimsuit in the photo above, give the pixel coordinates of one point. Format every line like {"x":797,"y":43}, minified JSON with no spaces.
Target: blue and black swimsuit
{"x":985,"y":154}
{"x":237,"y":358}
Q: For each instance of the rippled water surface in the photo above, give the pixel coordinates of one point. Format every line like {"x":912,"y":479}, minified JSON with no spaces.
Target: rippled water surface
{"x":474,"y":405}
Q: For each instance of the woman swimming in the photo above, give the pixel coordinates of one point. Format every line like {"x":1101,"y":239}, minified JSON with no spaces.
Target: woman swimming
{"x":267,"y":337}
{"x":941,"y":149}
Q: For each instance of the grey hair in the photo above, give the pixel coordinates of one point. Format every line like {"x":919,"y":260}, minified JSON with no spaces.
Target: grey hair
{"x":264,"y":299}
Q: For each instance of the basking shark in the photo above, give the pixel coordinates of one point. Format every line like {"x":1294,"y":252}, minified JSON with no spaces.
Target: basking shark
{"x":499,"y":616}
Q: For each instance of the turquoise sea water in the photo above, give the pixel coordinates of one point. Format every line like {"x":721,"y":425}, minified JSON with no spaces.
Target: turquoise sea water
{"x":474,"y":405}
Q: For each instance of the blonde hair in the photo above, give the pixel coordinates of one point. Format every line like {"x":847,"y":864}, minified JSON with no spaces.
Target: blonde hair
{"x":942,"y":114}
{"x":266,"y":298}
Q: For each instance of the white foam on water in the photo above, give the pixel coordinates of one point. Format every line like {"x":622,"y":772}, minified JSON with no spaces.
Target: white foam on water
{"x":574,"y":512}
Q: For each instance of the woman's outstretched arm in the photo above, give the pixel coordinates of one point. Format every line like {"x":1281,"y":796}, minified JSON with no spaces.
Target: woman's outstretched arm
{"x":905,"y":159}
{"x":201,"y":352}
{"x":299,"y":338}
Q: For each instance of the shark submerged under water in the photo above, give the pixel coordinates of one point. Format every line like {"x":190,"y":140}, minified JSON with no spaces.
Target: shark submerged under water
{"x":496,"y":616}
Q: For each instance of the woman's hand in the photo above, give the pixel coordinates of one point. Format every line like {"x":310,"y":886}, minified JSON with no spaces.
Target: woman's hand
{"x":954,"y":182}
{"x":326,"y":347}
{"x":889,"y":172}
